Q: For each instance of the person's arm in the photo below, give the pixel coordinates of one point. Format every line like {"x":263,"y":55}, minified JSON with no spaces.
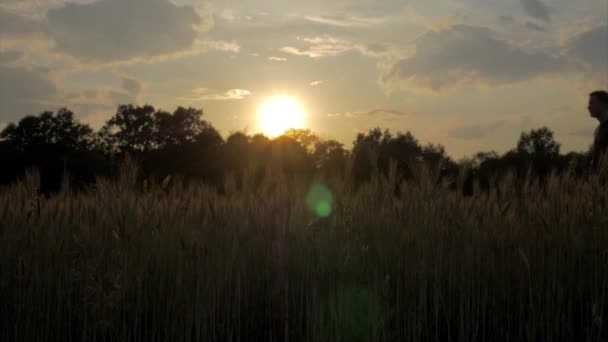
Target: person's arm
{"x":600,"y":148}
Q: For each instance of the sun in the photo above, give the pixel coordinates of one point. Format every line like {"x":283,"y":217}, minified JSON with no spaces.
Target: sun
{"x":280,"y":113}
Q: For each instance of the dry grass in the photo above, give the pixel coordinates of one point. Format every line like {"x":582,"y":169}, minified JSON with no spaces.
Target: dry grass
{"x":144,"y":262}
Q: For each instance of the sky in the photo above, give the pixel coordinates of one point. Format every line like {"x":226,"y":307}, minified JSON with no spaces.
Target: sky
{"x":469,"y":74}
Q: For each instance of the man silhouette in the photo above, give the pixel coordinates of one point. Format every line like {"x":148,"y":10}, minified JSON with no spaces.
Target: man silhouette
{"x":598,"y":108}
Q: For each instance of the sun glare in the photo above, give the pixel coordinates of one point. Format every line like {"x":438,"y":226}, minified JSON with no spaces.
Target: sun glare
{"x":280,"y":113}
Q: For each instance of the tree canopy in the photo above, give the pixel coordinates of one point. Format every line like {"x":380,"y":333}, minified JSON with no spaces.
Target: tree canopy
{"x":183,"y":143}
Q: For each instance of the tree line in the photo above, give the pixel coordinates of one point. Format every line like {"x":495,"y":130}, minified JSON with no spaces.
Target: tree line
{"x":183,"y":143}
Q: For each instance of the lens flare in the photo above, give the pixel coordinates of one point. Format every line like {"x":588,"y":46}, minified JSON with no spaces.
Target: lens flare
{"x":319,"y":200}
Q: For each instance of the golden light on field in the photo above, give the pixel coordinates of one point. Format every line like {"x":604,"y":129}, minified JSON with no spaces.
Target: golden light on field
{"x":280,"y":113}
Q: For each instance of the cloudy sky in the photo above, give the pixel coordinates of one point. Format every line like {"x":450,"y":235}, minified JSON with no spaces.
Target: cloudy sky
{"x":470,"y":74}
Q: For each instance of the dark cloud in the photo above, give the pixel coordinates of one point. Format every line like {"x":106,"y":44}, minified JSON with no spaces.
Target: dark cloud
{"x":469,"y":54}
{"x":25,"y":91}
{"x":128,"y":93}
{"x":591,"y":47}
{"x":90,"y":94}
{"x":94,"y":106}
{"x":131,"y":85}
{"x":468,"y":132}
{"x":506,"y":20}
{"x":14,"y":24}
{"x":535,"y":27}
{"x":117,"y":30}
{"x":537,"y":9}
{"x":7,"y":57}
{"x":583,"y":132}
{"x":510,"y":21}
{"x":472,"y":132}
{"x":116,"y":97}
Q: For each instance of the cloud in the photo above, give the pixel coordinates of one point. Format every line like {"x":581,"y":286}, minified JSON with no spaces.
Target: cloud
{"x":89,"y":94}
{"x":587,"y":132}
{"x":375,"y":50}
{"x":389,"y":112}
{"x":96,"y":105}
{"x":131,"y":85}
{"x":346,"y":20}
{"x":128,"y":93}
{"x":35,"y":8}
{"x":8,"y":57}
{"x":228,"y":15}
{"x":14,"y":24}
{"x":316,"y":83}
{"x":106,"y":98}
{"x":468,"y":132}
{"x":328,"y":46}
{"x":537,"y":9}
{"x":465,"y":54}
{"x":31,"y":90}
{"x":277,"y":59}
{"x":119,"y":30}
{"x":221,"y":45}
{"x":535,"y":27}
{"x":590,"y":47}
{"x":25,"y":91}
{"x":506,"y":20}
{"x":509,"y":21}
{"x":386,"y":114}
{"x":204,"y":94}
{"x":477,"y":131}
{"x":320,"y":47}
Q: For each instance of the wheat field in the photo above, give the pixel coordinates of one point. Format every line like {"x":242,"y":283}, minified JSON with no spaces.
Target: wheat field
{"x":132,"y":260}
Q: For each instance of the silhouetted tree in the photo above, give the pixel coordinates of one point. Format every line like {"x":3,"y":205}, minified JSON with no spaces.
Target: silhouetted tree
{"x":244,"y":154}
{"x":538,"y":142}
{"x":237,"y":153}
{"x":377,"y":149}
{"x":259,"y":143}
{"x":537,"y":152}
{"x":46,"y":129}
{"x":489,"y":168}
{"x":366,"y":150}
{"x":437,"y":159}
{"x":56,"y":145}
{"x":183,"y":143}
{"x":287,"y":155}
{"x":131,"y":129}
{"x":165,"y":143}
{"x":305,"y":137}
{"x":330,"y":158}
{"x":184,"y":126}
{"x":483,"y":157}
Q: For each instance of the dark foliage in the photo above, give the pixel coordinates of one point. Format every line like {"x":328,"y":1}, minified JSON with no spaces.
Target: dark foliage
{"x":55,"y":144}
{"x":182,"y":143}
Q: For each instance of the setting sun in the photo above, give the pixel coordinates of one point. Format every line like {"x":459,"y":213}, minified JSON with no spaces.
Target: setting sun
{"x":280,"y":113}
